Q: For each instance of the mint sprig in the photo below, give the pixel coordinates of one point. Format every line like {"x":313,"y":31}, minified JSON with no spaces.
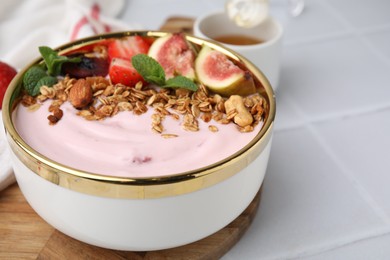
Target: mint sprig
{"x":154,"y":73}
{"x":181,"y":82}
{"x":45,"y":74}
{"x":149,"y":69}
{"x":35,"y":78}
{"x":54,"y":61}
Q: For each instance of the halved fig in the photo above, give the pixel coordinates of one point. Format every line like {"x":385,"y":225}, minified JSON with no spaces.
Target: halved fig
{"x":174,"y":54}
{"x":216,"y":71}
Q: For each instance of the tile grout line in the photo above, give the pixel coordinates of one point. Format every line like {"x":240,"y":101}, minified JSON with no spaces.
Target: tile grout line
{"x":360,"y":33}
{"x":327,"y":248}
{"x":336,"y":116}
{"x":318,"y":38}
{"x":369,"y":236}
{"x":379,"y":54}
{"x":344,"y":169}
{"x":350,"y":31}
{"x":376,"y":28}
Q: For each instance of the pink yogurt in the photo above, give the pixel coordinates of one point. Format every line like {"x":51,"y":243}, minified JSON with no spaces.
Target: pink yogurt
{"x":125,"y":145}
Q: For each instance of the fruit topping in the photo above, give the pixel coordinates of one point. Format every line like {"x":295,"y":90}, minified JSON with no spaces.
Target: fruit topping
{"x":175,"y":55}
{"x":164,"y":78}
{"x":142,"y":160}
{"x":122,"y":71}
{"x":127,"y":47}
{"x":120,"y":52}
{"x":95,"y":47}
{"x":7,"y":73}
{"x":154,"y":73}
{"x":215,"y":70}
{"x":44,"y":74}
{"x":53,"y":61}
{"x":87,"y":67}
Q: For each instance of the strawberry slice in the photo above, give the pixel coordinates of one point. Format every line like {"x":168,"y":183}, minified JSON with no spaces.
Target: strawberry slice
{"x":127,"y":47}
{"x":7,"y":73}
{"x":122,"y":71}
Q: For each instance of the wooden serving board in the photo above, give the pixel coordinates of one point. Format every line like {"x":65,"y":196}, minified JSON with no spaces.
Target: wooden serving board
{"x":24,"y":235}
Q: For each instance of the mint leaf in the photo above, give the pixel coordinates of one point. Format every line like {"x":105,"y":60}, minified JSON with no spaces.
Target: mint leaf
{"x":35,"y":78}
{"x":154,"y":73}
{"x":181,"y":82}
{"x":149,"y":69}
{"x":48,"y":81}
{"x":31,"y":78}
{"x":54,"y":61}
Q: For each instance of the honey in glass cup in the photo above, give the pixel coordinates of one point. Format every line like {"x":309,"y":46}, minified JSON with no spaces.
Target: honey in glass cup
{"x":237,"y":39}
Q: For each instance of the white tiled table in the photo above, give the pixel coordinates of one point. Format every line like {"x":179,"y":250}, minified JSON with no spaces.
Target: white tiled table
{"x":327,"y":188}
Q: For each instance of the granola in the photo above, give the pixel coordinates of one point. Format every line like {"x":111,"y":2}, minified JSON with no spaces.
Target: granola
{"x":107,"y":99}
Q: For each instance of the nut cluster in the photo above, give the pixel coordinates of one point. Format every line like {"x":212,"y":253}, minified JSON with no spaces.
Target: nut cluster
{"x":96,"y":98}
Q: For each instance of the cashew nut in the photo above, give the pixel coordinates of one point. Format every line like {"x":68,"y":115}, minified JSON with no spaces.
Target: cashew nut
{"x":243,"y":117}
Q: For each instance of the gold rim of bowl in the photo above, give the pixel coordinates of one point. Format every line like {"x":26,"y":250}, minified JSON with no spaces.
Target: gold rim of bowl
{"x":138,"y":188}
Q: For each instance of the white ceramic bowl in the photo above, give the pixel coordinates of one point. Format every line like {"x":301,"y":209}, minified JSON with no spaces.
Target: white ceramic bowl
{"x":145,"y":213}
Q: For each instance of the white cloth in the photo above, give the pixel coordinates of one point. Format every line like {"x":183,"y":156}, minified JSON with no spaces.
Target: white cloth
{"x":27,"y":24}
{"x":6,"y":174}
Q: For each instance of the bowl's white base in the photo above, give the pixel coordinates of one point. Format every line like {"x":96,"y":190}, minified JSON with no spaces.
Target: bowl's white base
{"x":142,"y":224}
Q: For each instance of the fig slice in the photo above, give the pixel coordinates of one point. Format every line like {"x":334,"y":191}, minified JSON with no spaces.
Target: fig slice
{"x":174,"y":54}
{"x":217,"y":72}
